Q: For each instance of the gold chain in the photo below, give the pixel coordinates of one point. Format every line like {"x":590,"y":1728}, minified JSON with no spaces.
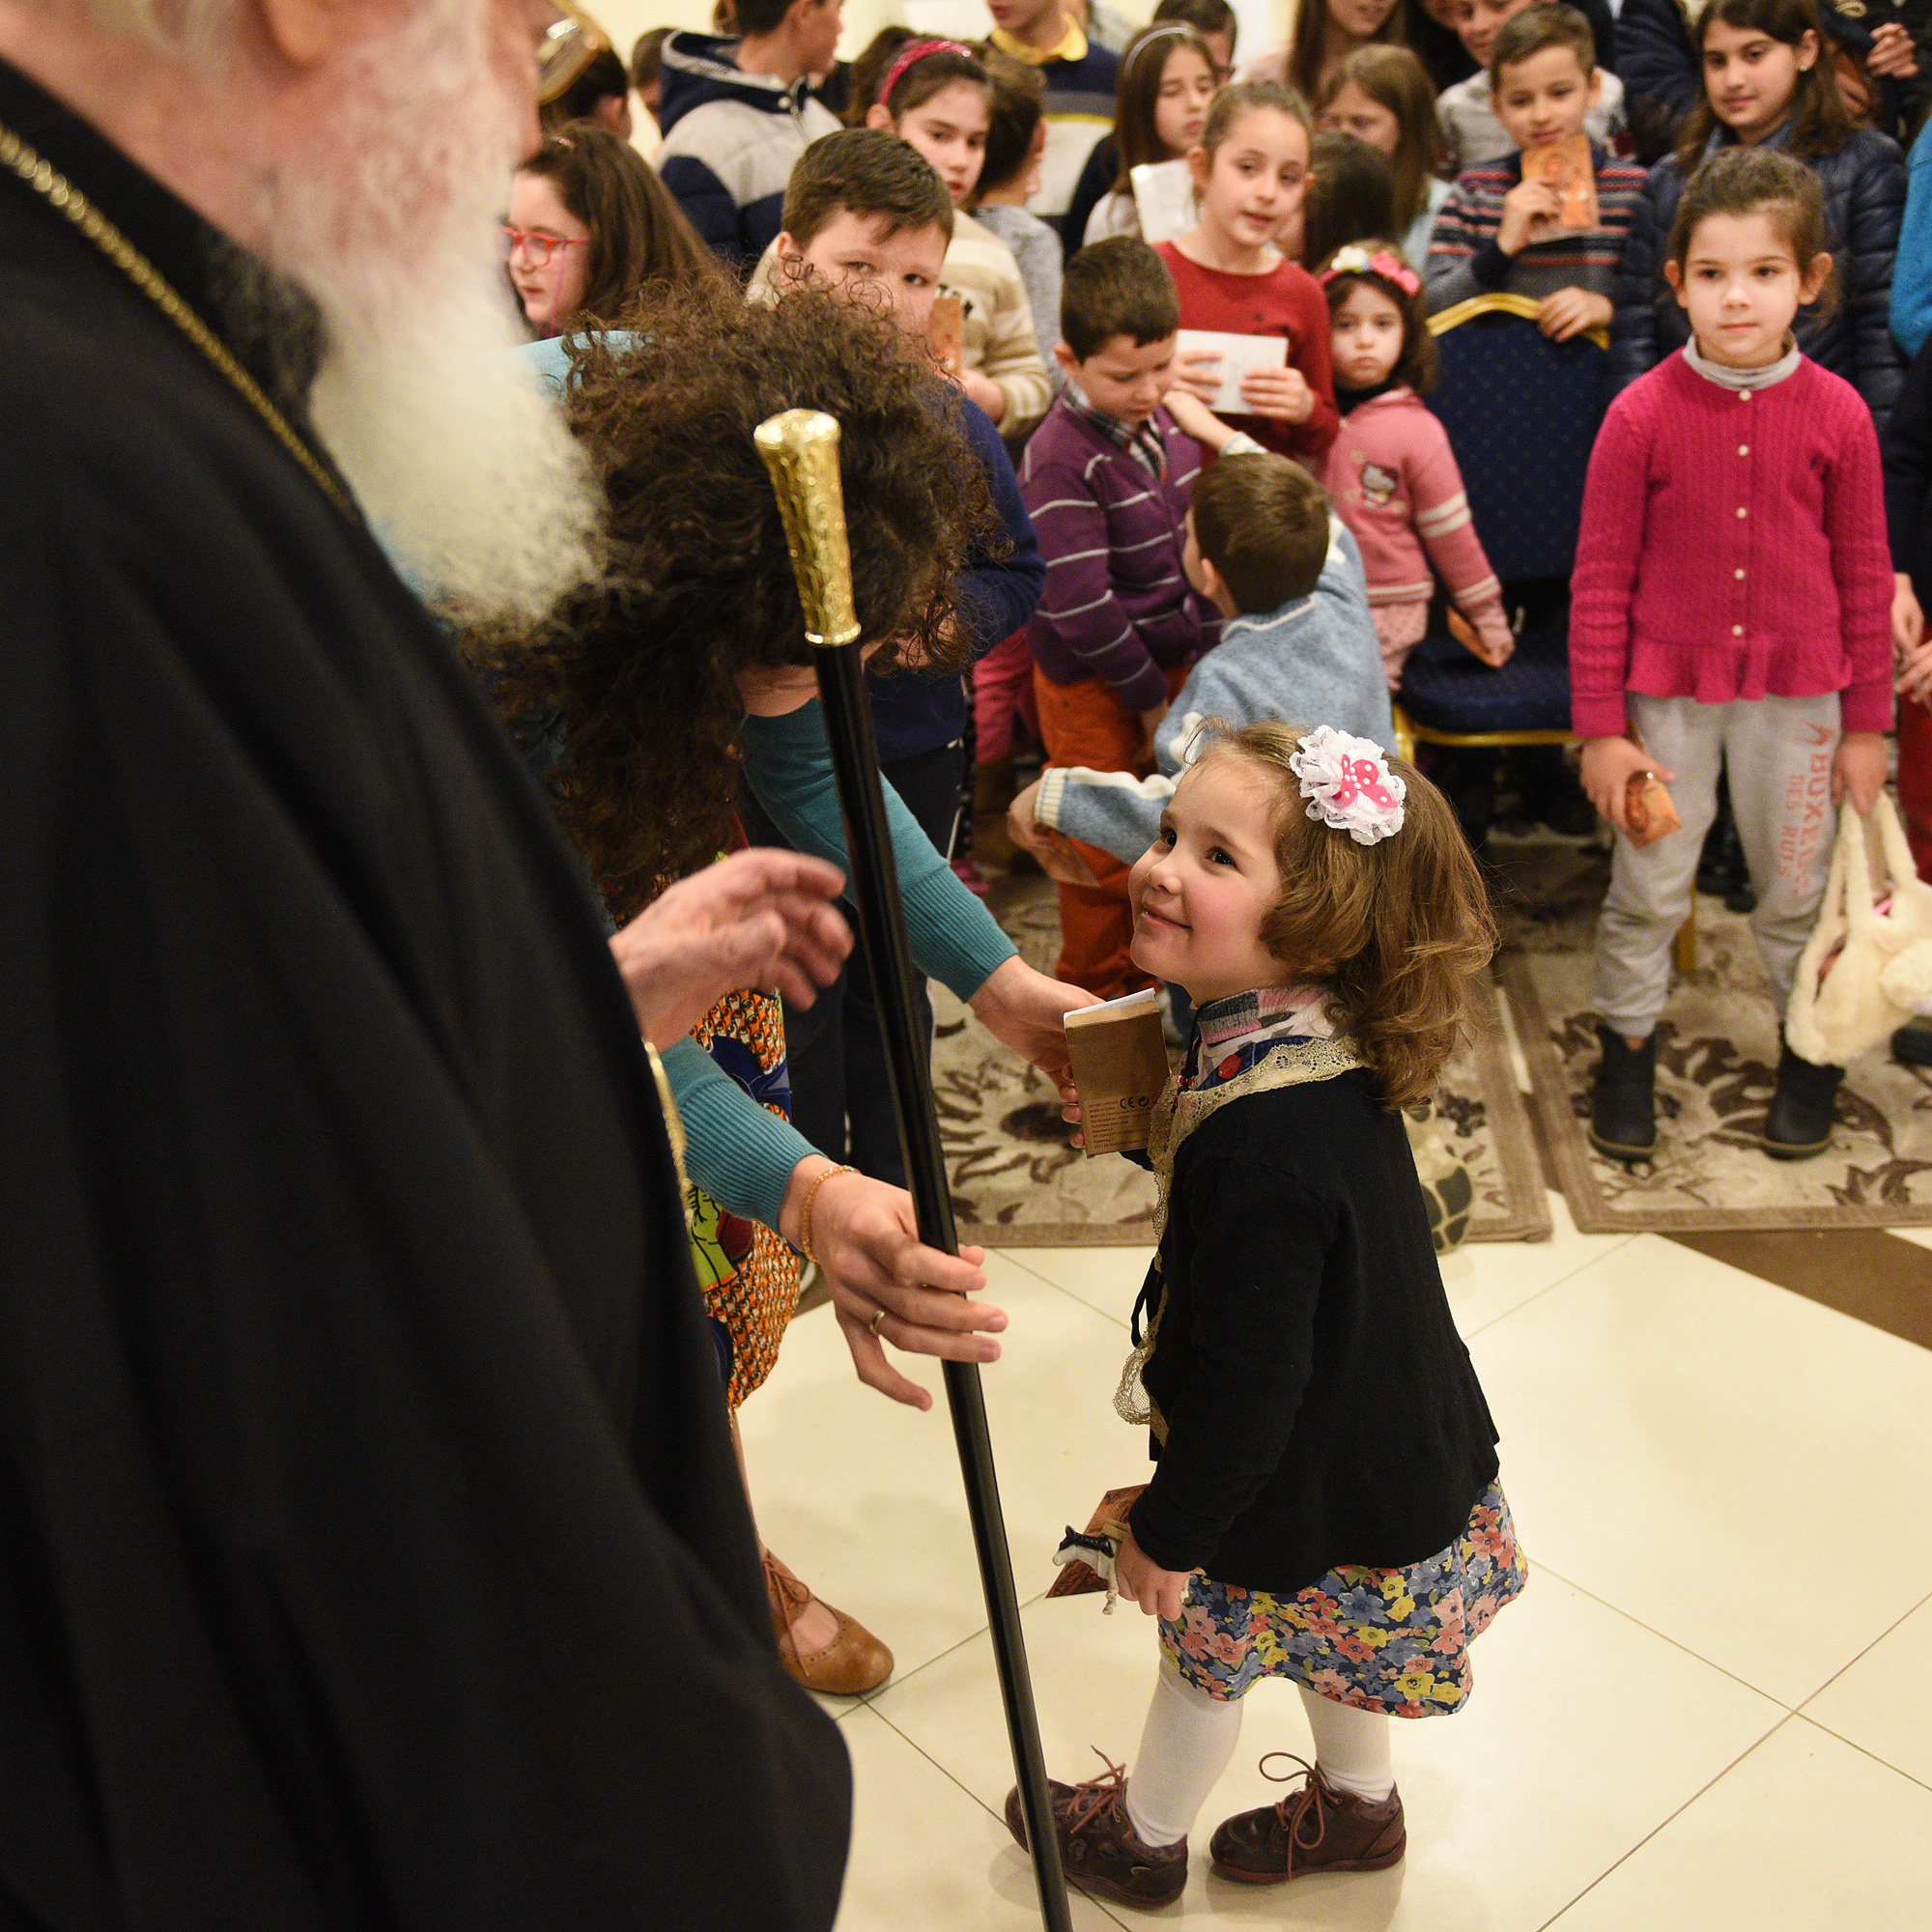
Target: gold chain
{"x":60,"y":193}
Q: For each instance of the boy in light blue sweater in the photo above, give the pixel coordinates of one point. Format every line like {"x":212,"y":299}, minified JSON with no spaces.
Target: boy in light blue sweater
{"x":1299,"y":646}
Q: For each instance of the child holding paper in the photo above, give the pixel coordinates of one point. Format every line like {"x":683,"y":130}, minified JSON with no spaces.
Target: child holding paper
{"x":1324,"y":1505}
{"x":1167,"y":81}
{"x":1107,"y":478}
{"x":1506,"y":226}
{"x":1251,"y":169}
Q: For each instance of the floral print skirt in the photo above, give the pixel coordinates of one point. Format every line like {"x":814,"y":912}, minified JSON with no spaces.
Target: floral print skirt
{"x":1390,"y":1640}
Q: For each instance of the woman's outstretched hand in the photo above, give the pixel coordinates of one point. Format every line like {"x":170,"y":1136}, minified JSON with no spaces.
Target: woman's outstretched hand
{"x":1027,"y":1011}
{"x":761,"y":918}
{"x":867,"y":1240}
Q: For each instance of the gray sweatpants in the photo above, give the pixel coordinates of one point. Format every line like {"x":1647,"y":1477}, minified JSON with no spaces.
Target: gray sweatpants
{"x":1779,"y":753}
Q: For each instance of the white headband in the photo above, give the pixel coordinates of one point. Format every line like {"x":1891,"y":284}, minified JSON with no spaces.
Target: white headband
{"x":1348,"y":785}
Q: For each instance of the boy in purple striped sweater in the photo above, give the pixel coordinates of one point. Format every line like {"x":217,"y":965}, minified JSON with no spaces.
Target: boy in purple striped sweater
{"x":1107,"y":478}
{"x":1500,"y":232}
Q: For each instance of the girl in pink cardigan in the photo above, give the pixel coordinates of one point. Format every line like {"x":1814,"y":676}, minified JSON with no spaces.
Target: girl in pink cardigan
{"x":1731,"y":606}
{"x":1390,"y":472}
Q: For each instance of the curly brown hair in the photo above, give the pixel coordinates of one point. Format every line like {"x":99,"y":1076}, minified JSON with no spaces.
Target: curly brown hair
{"x":642,"y":669}
{"x":1396,"y":930}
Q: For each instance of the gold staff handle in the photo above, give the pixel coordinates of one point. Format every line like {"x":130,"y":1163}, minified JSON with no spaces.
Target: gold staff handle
{"x":801,"y":450}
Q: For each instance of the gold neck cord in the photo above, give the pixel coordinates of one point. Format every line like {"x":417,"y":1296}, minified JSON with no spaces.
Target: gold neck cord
{"x":19,"y":160}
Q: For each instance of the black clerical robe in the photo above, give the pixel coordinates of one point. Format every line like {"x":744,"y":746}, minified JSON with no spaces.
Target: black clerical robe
{"x":371,"y":1548}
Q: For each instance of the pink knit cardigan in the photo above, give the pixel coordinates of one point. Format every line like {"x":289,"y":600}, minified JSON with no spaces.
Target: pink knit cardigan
{"x":1733,"y":546}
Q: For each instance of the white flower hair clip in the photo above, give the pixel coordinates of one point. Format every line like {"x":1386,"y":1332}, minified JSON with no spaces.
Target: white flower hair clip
{"x":1348,"y":785}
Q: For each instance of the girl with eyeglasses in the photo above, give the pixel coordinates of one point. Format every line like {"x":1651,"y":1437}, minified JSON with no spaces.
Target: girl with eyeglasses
{"x":589,"y":226}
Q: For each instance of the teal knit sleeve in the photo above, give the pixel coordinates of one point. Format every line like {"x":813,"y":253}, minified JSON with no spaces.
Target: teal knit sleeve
{"x":741,"y":1153}
{"x":789,"y":764}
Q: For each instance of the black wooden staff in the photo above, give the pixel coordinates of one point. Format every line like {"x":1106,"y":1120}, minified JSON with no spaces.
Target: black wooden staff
{"x":801,"y":450}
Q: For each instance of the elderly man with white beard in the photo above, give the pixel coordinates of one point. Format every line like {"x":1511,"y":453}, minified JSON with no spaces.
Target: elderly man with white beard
{"x":371,"y":1546}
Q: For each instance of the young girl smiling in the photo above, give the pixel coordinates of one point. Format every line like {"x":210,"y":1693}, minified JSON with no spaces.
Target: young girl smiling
{"x":1391,"y":474}
{"x":1251,"y":169}
{"x":1732,"y":601}
{"x":1324,"y":1505}
{"x":1766,"y":84}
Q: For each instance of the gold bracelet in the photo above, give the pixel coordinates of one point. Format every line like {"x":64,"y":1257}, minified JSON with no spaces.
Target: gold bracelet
{"x":804,"y":1212}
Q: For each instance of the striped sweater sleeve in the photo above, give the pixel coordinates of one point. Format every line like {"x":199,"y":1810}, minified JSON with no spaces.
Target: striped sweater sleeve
{"x":1448,"y":531}
{"x":1462,"y":247}
{"x":1012,"y":359}
{"x":1078,"y":605}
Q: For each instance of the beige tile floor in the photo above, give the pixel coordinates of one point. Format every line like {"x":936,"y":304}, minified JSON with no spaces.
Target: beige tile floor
{"x":1712,"y":1707}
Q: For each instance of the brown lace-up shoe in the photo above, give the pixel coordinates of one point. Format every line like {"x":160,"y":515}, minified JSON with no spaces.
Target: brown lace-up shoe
{"x":1099,"y":1847}
{"x":852,"y":1663}
{"x":1314,"y":1828}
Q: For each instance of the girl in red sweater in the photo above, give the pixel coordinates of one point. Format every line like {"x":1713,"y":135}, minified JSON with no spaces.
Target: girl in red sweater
{"x":1252,"y":171}
{"x":1731,"y":604}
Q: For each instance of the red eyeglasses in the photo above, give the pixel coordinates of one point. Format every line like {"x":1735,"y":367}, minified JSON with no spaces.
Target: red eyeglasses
{"x":538,"y":245}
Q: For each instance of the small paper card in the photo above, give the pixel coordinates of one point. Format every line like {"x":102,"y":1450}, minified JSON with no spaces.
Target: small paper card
{"x":1238,"y":355}
{"x":1565,"y":166}
{"x":1120,"y":1066}
{"x":1164,"y":199}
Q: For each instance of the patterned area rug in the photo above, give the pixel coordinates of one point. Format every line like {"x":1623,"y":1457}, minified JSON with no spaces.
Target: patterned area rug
{"x":1717,"y":1061}
{"x":1017,"y":1184}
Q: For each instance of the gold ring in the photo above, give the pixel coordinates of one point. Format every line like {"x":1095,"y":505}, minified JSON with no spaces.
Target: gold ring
{"x":873,"y":1324}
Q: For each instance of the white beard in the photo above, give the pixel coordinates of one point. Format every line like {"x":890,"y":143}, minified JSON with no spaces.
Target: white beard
{"x":464,"y":466}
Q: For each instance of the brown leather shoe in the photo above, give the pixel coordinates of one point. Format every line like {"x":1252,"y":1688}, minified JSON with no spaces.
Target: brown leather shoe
{"x":852,"y":1663}
{"x":1314,"y":1828}
{"x":1100,"y":1850}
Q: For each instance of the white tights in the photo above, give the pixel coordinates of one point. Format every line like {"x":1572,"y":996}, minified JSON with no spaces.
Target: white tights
{"x":1189,"y":1737}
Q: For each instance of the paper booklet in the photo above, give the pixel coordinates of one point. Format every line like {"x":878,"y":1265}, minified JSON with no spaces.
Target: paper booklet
{"x":1164,"y":198}
{"x":1238,"y":355}
{"x":1120,"y":1066}
{"x":1565,"y":166}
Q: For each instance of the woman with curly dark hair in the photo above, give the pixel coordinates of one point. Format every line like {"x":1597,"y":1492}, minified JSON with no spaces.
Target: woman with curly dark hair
{"x":685,"y":672}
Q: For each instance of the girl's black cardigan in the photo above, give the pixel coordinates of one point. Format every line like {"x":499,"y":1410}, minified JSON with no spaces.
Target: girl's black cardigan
{"x":1313,"y":1404}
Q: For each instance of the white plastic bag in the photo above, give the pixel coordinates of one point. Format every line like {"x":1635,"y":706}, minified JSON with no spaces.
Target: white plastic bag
{"x":1865,"y":970}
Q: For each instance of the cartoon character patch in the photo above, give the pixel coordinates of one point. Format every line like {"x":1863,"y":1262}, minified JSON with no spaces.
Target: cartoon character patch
{"x":1379,"y":485}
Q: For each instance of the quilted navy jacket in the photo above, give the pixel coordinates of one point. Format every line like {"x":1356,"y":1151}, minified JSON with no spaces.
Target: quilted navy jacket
{"x":1864,"y":202}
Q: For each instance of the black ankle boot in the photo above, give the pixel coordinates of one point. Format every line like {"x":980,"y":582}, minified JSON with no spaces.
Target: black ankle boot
{"x":1803,"y":1109}
{"x":1912,"y":1044}
{"x":1623,"y":1099}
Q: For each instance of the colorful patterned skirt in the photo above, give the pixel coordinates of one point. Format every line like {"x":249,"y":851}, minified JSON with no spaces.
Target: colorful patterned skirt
{"x":748,"y":1274}
{"x":1390,"y":1640}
